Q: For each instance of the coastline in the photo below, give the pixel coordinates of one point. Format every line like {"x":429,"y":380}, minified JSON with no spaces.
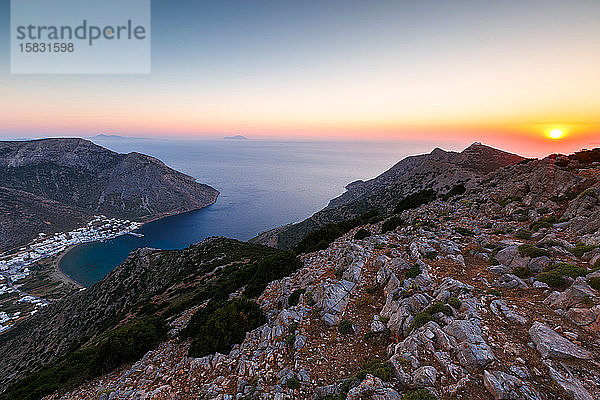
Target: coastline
{"x":66,"y":279}
{"x":60,"y":275}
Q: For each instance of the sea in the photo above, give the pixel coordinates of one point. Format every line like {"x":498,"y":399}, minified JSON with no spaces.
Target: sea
{"x":263,"y":184}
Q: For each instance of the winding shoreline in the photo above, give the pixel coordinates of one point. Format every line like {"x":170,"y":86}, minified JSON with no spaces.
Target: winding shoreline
{"x":59,"y":272}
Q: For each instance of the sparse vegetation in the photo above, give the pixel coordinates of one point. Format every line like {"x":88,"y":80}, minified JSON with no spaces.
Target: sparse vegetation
{"x":523,"y":234}
{"x":413,"y":271}
{"x":295,"y":297}
{"x":322,"y":238}
{"x":494,"y":292}
{"x":582,"y":248}
{"x":345,"y":327}
{"x":415,"y":200}
{"x":419,"y":394}
{"x":391,"y":223}
{"x":217,"y":326}
{"x":594,"y":282}
{"x":464,"y":231}
{"x":121,"y":346}
{"x":361,"y":234}
{"x":529,"y":250}
{"x":454,"y":303}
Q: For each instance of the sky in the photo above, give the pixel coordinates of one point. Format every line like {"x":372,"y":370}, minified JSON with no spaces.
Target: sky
{"x":501,"y":72}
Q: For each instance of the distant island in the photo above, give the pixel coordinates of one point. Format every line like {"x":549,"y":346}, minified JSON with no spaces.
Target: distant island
{"x":236,"y":137}
{"x":103,"y":136}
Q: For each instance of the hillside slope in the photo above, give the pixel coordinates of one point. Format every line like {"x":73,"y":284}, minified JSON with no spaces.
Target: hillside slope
{"x":439,"y":170}
{"x":161,"y":281}
{"x":88,"y":178}
{"x":490,"y":294}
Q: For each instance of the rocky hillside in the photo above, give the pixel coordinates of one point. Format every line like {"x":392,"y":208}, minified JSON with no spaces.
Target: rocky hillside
{"x":490,"y":294}
{"x":75,"y":176}
{"x":148,"y":282}
{"x":439,"y":170}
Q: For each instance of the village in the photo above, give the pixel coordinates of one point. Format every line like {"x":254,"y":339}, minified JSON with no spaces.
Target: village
{"x":16,"y":266}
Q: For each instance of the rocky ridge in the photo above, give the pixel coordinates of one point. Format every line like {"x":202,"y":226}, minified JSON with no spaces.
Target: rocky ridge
{"x":439,"y":170}
{"x":489,"y":295}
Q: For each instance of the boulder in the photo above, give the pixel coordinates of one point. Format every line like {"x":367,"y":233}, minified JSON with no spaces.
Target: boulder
{"x":552,"y":345}
{"x":501,"y":309}
{"x":503,"y":386}
{"x":424,"y":376}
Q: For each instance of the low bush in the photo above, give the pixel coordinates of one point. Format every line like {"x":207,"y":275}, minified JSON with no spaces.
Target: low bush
{"x":552,"y":278}
{"x":545,"y":222}
{"x":454,"y":303}
{"x":295,"y":297}
{"x":218,"y":326}
{"x":418,"y":394}
{"x":376,"y":368}
{"x":523,"y":234}
{"x":391,"y":223}
{"x":522,"y":272}
{"x":457,"y":190}
{"x":415,"y":200}
{"x":293,"y":383}
{"x":582,"y":248}
{"x":413,"y":271}
{"x":322,"y":238}
{"x":426,"y":315}
{"x":594,"y":282}
{"x":361,"y":234}
{"x":494,"y":292}
{"x":464,"y":231}
{"x":345,"y":327}
{"x":569,"y":270}
{"x":529,"y":250}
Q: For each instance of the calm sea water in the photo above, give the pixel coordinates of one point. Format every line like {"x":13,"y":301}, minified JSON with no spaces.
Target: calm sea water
{"x":263,"y":184}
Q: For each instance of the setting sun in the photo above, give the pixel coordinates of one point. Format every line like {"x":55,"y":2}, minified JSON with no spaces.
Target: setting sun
{"x":556,"y":134}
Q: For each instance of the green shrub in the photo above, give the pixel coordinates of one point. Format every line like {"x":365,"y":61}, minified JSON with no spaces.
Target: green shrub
{"x":454,"y":302}
{"x":419,"y":394}
{"x":581,"y":248}
{"x":123,"y":345}
{"x":268,"y":269}
{"x":322,"y":238}
{"x":522,"y":272}
{"x":293,"y":383}
{"x":594,"y":282}
{"x":464,"y":231}
{"x":391,"y":223}
{"x":345,"y":327}
{"x":361,"y":234}
{"x":529,"y":250}
{"x":295,"y":297}
{"x":569,"y":270}
{"x":457,"y":190}
{"x":218,"y":326}
{"x":545,"y":222}
{"x":523,"y":234}
{"x":552,"y":278}
{"x":415,"y":200}
{"x":413,"y":271}
{"x":494,"y":292}
{"x":376,"y":368}
{"x":426,"y":315}
{"x":290,"y":340}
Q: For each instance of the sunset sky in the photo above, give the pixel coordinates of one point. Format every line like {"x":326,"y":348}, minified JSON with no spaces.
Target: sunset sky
{"x":502,"y":72}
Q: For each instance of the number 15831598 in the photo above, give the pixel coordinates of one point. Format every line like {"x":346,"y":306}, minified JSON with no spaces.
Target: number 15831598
{"x":47,"y":47}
